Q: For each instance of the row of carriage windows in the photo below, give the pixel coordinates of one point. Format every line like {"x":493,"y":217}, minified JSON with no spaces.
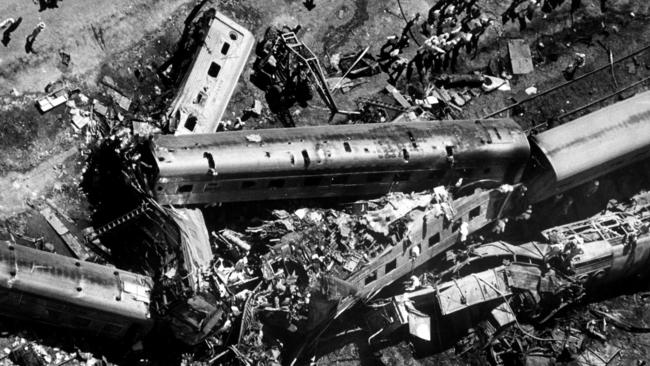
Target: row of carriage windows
{"x":433,"y":240}
{"x":322,"y":180}
{"x":308,"y":181}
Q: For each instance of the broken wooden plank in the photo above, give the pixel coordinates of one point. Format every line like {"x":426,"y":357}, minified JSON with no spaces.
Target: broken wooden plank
{"x":70,"y":240}
{"x":398,"y":96}
{"x":520,"y":57}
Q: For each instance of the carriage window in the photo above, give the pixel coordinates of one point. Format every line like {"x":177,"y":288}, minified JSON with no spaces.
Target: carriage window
{"x":112,"y":329}
{"x":312,"y":181}
{"x":346,"y":146}
{"x":371,"y":278}
{"x":225,"y":48}
{"x":200,"y":98}
{"x":80,"y":322}
{"x":248,"y":184}
{"x":190,"y":123}
{"x":450,"y":150}
{"x":401,"y":177}
{"x":405,"y":155}
{"x":456,"y":226}
{"x":434,"y":239}
{"x":305,"y":157}
{"x":475,"y":212}
{"x":211,"y":187}
{"x":412,"y":138}
{"x":375,"y":177}
{"x":214,"y":69}
{"x":186,"y":188}
{"x":390,"y":266}
{"x":340,"y":179}
{"x":436,"y":174}
{"x":276,"y":183}
{"x":55,"y":315}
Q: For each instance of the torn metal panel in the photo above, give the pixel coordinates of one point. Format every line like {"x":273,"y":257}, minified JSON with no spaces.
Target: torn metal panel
{"x":523,"y":277}
{"x":472,"y":290}
{"x":433,"y":230}
{"x":598,"y":356}
{"x":195,"y":240}
{"x":538,"y":278}
{"x":502,"y":315}
{"x":419,"y":324}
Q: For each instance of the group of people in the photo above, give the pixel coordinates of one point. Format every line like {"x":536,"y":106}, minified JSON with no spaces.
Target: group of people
{"x":9,"y":25}
{"x":451,"y":25}
{"x":523,"y":10}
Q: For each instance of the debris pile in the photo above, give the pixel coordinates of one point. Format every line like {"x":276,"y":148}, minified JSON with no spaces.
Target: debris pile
{"x":524,"y":286}
{"x":282,"y":278}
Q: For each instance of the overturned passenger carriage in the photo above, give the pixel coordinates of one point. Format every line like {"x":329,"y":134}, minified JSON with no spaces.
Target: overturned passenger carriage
{"x":588,"y":147}
{"x":65,"y":292}
{"x":332,"y":161}
{"x":210,"y":82}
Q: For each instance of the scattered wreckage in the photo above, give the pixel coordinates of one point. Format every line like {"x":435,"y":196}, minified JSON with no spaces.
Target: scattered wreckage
{"x":488,"y":287}
{"x":315,"y":265}
{"x":224,"y":290}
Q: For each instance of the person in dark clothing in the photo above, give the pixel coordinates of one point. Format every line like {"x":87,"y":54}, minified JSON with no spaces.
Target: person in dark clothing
{"x":6,"y":35}
{"x":29,"y":41}
{"x":575,"y":5}
{"x":418,"y":61}
{"x":410,"y":24}
{"x":48,"y":4}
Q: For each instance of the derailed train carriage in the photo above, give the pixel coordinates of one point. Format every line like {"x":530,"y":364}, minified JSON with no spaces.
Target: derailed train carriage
{"x":210,"y":82}
{"x":373,"y":159}
{"x":65,"y":292}
{"x":333,"y":161}
{"x":588,"y":147}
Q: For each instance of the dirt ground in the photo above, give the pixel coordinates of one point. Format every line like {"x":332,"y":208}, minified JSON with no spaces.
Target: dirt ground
{"x":39,"y":154}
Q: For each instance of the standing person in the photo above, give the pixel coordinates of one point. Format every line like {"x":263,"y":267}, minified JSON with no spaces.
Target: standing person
{"x":396,"y":70}
{"x":407,"y":29}
{"x":432,"y":21}
{"x":575,"y":5}
{"x":29,"y":44}
{"x":418,"y":61}
{"x":477,"y":31}
{"x":434,"y":52}
{"x":11,"y":24}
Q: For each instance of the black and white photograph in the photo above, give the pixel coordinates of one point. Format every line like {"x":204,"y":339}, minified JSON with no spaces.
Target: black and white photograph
{"x":325,"y":182}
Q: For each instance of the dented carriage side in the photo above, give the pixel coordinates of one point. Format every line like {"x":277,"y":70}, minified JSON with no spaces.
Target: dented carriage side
{"x":588,"y":147}
{"x":332,"y":161}
{"x":65,"y":292}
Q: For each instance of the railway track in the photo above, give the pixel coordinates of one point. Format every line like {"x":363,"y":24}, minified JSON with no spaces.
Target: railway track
{"x":605,"y":84}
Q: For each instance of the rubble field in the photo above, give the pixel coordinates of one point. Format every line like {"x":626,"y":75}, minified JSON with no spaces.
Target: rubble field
{"x":84,"y":99}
